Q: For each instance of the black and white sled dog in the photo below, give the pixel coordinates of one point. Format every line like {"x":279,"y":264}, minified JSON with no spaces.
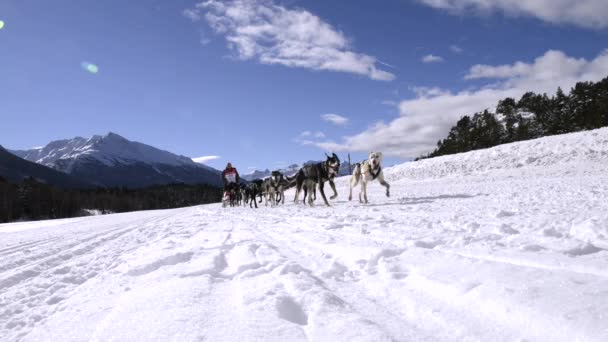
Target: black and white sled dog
{"x":311,"y":175}
{"x":274,"y":187}
{"x":252,"y":191}
{"x":367,"y":172}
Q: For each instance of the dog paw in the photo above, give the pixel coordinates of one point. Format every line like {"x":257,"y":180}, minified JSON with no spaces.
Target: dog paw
{"x":333,"y":197}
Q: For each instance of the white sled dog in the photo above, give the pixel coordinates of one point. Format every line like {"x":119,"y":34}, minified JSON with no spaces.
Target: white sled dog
{"x":366,"y":172}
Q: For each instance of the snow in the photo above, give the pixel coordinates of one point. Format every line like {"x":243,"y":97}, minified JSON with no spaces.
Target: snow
{"x":504,"y":244}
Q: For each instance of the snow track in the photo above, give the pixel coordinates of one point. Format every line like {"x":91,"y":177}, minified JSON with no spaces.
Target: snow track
{"x":511,"y":253}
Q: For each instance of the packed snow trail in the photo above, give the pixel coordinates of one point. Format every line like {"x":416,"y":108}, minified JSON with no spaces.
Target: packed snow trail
{"x":505,"y":244}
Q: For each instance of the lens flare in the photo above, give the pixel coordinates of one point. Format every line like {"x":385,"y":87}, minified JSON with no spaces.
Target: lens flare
{"x":90,"y":67}
{"x":1,"y":24}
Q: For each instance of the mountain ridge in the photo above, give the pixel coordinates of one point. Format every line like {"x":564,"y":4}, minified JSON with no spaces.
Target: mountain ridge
{"x":15,"y":169}
{"x":112,"y":160}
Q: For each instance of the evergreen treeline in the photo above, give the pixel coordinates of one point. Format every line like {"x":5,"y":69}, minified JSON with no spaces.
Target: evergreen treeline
{"x":533,"y":116}
{"x":32,"y":200}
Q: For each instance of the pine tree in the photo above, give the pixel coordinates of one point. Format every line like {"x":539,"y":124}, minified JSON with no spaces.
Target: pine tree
{"x":508,"y":108}
{"x":562,"y":116}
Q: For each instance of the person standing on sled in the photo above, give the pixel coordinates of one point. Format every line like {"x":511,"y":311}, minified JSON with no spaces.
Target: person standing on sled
{"x":231,"y":179}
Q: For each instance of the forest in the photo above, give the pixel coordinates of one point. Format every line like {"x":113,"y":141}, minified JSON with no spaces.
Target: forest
{"x":532,"y":116}
{"x":33,"y":200}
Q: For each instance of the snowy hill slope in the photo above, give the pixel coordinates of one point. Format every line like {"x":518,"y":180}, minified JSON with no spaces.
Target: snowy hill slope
{"x":112,"y":160}
{"x":585,"y":151}
{"x":491,"y":249}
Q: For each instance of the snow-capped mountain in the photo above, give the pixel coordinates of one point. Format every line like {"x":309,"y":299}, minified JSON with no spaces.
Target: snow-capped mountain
{"x":112,"y":160}
{"x":261,"y":174}
{"x":291,"y":170}
{"x":15,"y":169}
{"x":111,"y":149}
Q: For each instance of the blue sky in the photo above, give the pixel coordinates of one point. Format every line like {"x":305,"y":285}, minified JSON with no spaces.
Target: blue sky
{"x":253,"y":81}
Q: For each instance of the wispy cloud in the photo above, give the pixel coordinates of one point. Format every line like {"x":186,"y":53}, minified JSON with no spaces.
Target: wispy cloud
{"x":428,"y":91}
{"x":432,"y":59}
{"x":204,"y":38}
{"x":335,"y":119}
{"x":583,"y":13}
{"x":456,"y":49}
{"x":192,"y":14}
{"x":428,"y":118}
{"x":309,"y":138}
{"x":273,"y":34}
{"x":205,"y":159}
{"x":390,"y":103}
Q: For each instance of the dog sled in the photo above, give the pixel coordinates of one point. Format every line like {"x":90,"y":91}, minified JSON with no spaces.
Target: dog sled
{"x":230,"y":197}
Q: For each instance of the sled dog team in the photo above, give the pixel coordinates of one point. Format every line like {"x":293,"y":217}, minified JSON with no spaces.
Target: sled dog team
{"x":272,"y":189}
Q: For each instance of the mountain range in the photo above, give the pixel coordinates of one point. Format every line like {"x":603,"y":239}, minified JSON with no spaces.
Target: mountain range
{"x":112,"y":160}
{"x":15,"y":169}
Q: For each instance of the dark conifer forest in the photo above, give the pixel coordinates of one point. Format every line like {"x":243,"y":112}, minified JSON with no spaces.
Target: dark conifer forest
{"x":34,"y":200}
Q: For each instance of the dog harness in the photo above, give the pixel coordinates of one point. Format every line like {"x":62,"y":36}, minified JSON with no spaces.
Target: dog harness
{"x":331,"y":170}
{"x":276,"y":182}
{"x":371,"y":172}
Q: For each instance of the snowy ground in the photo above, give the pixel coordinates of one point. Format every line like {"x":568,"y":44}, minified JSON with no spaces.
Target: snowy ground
{"x":506,"y":244}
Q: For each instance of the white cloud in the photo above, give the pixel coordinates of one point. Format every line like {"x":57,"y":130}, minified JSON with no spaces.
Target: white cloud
{"x":583,"y":13}
{"x":273,"y":34}
{"x":305,"y":142}
{"x":309,"y":138}
{"x":430,"y":115}
{"x":502,"y":71}
{"x":432,"y":59}
{"x":335,"y":119}
{"x":428,"y":92}
{"x":456,"y":49}
{"x":205,"y":159}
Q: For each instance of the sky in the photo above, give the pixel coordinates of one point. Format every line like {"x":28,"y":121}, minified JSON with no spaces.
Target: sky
{"x":267,"y":83}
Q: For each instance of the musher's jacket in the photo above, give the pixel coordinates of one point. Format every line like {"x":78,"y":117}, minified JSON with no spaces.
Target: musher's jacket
{"x":230,"y":176}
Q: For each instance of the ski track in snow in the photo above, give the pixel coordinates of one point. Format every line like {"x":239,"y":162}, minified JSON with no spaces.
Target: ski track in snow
{"x":505,"y":244}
